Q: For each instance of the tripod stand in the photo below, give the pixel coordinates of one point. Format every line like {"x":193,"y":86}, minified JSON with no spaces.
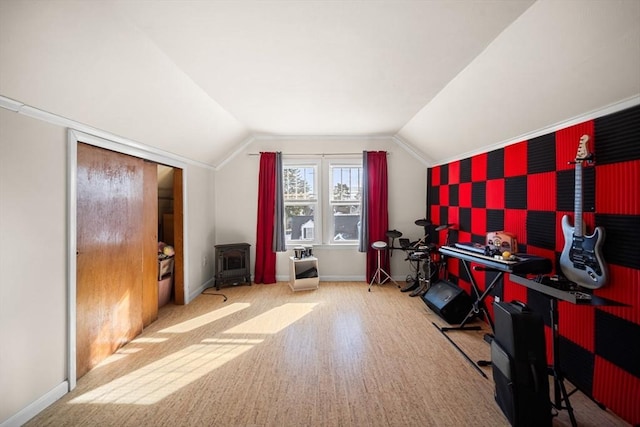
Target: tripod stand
{"x":380,"y":272}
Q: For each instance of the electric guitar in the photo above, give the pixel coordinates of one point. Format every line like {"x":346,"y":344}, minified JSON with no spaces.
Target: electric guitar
{"x":581,"y":259}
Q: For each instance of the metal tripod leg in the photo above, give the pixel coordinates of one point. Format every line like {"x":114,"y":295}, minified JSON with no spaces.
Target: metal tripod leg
{"x":559,"y":390}
{"x":379,"y":272}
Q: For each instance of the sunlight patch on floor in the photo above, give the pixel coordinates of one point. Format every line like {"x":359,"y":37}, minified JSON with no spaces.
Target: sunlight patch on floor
{"x":148,"y":340}
{"x":128,"y":350}
{"x":159,"y":379}
{"x":199,"y":321}
{"x":231,"y":341}
{"x":274,"y":320}
{"x":112,"y":358}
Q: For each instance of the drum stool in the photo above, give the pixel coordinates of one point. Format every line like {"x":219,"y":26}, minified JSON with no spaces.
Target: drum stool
{"x":380,"y":246}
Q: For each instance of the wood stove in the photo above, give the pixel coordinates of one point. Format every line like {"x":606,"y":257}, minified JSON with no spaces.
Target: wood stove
{"x":233,"y":264}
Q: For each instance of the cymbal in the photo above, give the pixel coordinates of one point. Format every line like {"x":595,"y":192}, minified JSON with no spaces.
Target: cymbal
{"x":423,"y":222}
{"x":393,"y":234}
{"x":443,"y":227}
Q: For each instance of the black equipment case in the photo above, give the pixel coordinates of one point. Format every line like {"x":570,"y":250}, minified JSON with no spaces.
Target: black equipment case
{"x":520,"y":370}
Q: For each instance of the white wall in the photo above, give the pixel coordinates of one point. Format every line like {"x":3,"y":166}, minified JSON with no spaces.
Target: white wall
{"x":33,"y":259}
{"x":84,"y":60}
{"x":200,"y":229}
{"x":237,"y":198}
{"x":33,"y":335}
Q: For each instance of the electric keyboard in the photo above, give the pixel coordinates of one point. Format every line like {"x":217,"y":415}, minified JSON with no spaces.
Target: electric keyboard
{"x":473,"y":247}
{"x":522,"y":264}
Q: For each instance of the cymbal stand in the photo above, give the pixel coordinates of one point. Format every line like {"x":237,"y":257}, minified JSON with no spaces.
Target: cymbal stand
{"x":441,"y":265}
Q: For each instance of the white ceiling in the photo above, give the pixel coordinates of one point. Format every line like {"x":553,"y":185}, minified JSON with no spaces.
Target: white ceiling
{"x":200,"y":78}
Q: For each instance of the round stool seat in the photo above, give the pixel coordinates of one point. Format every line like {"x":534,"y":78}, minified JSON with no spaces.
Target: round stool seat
{"x":379,"y":245}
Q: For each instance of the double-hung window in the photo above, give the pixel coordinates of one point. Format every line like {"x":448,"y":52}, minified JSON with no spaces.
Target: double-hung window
{"x":345,"y":196}
{"x":322,"y":201}
{"x":300,"y":188}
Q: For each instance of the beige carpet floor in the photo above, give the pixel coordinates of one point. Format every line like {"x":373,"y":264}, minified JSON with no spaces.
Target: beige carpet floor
{"x":336,"y":356}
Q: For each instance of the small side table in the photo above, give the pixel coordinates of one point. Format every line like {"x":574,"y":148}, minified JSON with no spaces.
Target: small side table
{"x":297,"y":268}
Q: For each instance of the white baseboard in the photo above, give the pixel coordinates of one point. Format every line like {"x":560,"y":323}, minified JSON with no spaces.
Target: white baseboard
{"x":342,"y":278}
{"x":36,"y":406}
{"x":285,"y":278}
{"x":357,"y":278}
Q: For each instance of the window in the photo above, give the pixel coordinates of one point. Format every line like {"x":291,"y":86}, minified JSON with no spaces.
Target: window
{"x":345,"y":196}
{"x":300,"y":202}
{"x":322,"y":195}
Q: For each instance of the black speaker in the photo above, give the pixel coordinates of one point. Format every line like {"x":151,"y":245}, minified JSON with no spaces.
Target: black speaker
{"x":520,"y":372}
{"x":448,"y":301}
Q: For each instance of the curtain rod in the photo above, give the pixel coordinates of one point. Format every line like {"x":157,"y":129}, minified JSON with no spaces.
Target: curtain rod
{"x":318,"y":154}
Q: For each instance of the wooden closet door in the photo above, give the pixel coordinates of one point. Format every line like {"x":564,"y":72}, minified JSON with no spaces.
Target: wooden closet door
{"x":109,"y":260}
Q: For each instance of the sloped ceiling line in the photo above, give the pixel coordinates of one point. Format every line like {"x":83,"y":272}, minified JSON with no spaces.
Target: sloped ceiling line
{"x":609,"y":109}
{"x":444,"y":79}
{"x":45,"y":116}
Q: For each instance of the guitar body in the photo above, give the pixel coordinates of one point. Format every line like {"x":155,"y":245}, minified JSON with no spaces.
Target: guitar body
{"x":581,"y":259}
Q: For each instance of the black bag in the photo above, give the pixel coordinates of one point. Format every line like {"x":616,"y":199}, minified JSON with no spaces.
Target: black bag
{"x":520,"y":370}
{"x":307,"y":274}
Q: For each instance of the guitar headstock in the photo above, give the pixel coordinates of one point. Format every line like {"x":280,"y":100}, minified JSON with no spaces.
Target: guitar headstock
{"x":583,"y":149}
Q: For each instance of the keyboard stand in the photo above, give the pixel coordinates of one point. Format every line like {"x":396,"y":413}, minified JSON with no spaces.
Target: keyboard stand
{"x":525,"y":264}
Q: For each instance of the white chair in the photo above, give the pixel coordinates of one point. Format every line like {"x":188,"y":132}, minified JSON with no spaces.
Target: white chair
{"x":380,"y":273}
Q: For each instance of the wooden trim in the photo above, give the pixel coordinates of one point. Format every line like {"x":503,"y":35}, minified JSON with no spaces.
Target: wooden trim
{"x":150,"y":244}
{"x":178,"y":236}
{"x":72,"y":245}
{"x":93,"y":136}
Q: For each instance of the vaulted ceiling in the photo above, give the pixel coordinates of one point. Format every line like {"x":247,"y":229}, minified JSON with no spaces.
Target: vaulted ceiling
{"x":201,"y":78}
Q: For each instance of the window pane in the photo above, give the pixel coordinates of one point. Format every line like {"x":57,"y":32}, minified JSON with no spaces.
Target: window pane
{"x":346,"y":183}
{"x":346,"y":222}
{"x":299,"y":222}
{"x":346,"y":193}
{"x":299,"y":183}
{"x":300,"y":202}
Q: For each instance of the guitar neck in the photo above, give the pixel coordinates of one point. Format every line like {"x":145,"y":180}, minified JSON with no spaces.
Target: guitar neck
{"x":577,"y":207}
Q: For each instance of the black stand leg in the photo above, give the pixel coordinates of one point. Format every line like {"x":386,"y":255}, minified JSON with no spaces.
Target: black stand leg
{"x":559,"y":390}
{"x":460,"y":350}
{"x":478,"y":305}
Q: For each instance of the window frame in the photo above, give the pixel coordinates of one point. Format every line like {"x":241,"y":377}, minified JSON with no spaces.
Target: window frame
{"x":324,"y":224}
{"x":317,"y":221}
{"x":329,"y":219}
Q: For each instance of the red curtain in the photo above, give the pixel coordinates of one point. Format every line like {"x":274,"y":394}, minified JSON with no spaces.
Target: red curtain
{"x":378,"y":214}
{"x":265,"y":270}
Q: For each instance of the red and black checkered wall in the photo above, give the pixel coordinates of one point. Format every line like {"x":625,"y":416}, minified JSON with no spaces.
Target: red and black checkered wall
{"x":526,"y":188}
